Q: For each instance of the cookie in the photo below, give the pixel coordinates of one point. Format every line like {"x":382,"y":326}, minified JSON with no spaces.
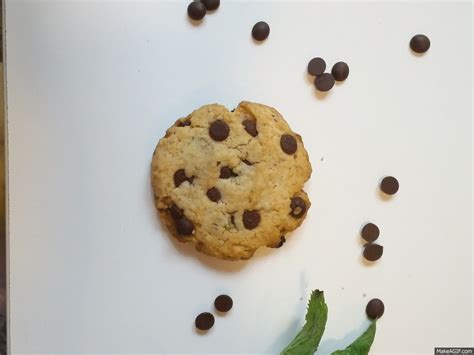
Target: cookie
{"x":231,"y":182}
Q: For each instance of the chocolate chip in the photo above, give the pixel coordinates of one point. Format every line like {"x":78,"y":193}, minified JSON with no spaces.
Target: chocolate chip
{"x":420,"y":43}
{"x":250,"y":127}
{"x":213,"y":194}
{"x":281,"y":242}
{"x":211,"y":4}
{"x":179,"y":177}
{"x":196,"y":10}
{"x":316,"y":66}
{"x":389,"y":185}
{"x":251,"y":219}
{"x":223,"y":303}
{"x":340,"y":71}
{"x":373,"y":252}
{"x":370,"y":232}
{"x":226,"y":173}
{"x":375,"y":308}
{"x":204,"y":321}
{"x":175,"y":212}
{"x":219,"y":130}
{"x":184,"y":226}
{"x":186,"y":122}
{"x":260,"y":31}
{"x":324,"y":82}
{"x":288,"y":144}
{"x":245,"y":161}
{"x":298,"y":207}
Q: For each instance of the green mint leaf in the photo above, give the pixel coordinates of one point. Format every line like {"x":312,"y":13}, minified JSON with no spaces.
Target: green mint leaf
{"x":361,"y":345}
{"x":307,"y":340}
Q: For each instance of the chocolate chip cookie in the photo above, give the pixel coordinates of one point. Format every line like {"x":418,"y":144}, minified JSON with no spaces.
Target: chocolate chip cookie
{"x":231,"y":182}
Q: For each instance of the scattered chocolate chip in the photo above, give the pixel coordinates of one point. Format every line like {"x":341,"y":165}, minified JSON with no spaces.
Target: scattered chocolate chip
{"x":420,"y":43}
{"x":223,"y":303}
{"x":250,"y":127}
{"x":179,"y":177}
{"x":375,"y":308}
{"x":211,"y":4}
{"x":260,"y":31}
{"x":245,"y":161}
{"x":204,"y":321}
{"x":316,"y":66}
{"x":389,"y":185}
{"x":219,"y":130}
{"x":196,"y":10}
{"x":288,"y":144}
{"x":370,"y":232}
{"x":175,"y":212}
{"x":226,"y":173}
{"x":184,"y":226}
{"x":186,"y":122}
{"x":340,"y":71}
{"x":213,"y":194}
{"x":324,"y":82}
{"x":251,"y":219}
{"x":298,"y":207}
{"x":373,"y":252}
{"x":281,"y":242}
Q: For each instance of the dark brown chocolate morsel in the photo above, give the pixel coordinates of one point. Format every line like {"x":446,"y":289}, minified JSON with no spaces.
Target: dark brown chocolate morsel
{"x":281,"y":242}
{"x":204,"y":321}
{"x":389,"y":185}
{"x":298,"y":207}
{"x":251,"y":219}
{"x":226,"y":173}
{"x":370,"y":232}
{"x":373,"y":252}
{"x":223,"y":303}
{"x":196,"y":10}
{"x":260,"y":31}
{"x":213,"y":194}
{"x":340,"y":71}
{"x":250,"y":127}
{"x":184,"y":123}
{"x":184,"y":226}
{"x":420,"y":43}
{"x":211,"y":4}
{"x":288,"y":144}
{"x":219,"y":130}
{"x":375,"y":308}
{"x":179,"y":177}
{"x":175,"y":212}
{"x":324,"y":82}
{"x":316,"y":66}
{"x":246,"y":162}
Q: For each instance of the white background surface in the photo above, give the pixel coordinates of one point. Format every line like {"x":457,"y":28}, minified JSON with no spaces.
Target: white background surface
{"x":93,"y":85}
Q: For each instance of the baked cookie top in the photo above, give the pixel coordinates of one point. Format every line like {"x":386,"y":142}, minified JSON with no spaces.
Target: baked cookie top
{"x":231,"y":182}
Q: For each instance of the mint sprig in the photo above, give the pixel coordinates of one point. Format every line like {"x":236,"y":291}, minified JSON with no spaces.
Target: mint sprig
{"x":361,"y":345}
{"x":307,"y":340}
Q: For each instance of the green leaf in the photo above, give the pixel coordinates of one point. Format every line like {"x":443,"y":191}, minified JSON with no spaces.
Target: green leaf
{"x":361,"y":345}
{"x":307,"y":340}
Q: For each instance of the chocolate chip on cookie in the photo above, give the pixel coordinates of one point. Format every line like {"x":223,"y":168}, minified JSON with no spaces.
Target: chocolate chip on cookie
{"x":246,"y":162}
{"x":179,"y":177}
{"x":298,"y":207}
{"x":213,"y":194}
{"x":184,"y":226}
{"x":219,"y":130}
{"x":175,"y":212}
{"x":184,"y":123}
{"x":250,"y":127}
{"x":281,"y":242}
{"x":288,"y":144}
{"x":226,"y":173}
{"x":251,"y":219}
